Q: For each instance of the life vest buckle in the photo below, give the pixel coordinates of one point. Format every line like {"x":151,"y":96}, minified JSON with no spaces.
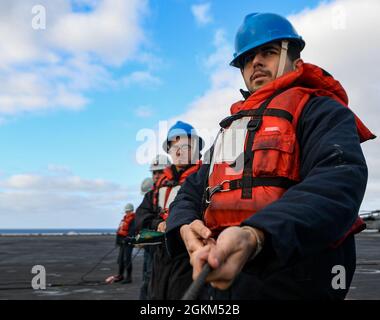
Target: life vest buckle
{"x":218,"y":188}
{"x":164,"y":214}
{"x":254,"y":124}
{"x":222,"y":183}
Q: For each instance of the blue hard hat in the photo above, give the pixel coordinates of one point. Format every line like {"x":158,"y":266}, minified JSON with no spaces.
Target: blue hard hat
{"x":180,"y":129}
{"x":261,"y":28}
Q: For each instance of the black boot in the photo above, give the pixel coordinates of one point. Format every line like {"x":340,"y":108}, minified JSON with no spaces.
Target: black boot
{"x":128,"y":279}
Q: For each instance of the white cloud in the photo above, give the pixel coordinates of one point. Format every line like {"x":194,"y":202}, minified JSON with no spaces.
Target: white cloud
{"x":202,"y":13}
{"x":55,"y":183}
{"x":206,"y":111}
{"x":57,"y":168}
{"x":30,"y":91}
{"x":343,"y":38}
{"x":144,"y":111}
{"x":55,"y":67}
{"x":111,"y":30}
{"x":336,"y":36}
{"x":62,"y":200}
{"x":144,"y":78}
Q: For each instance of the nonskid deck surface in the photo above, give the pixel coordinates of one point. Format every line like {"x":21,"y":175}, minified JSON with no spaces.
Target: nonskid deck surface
{"x":67,"y":258}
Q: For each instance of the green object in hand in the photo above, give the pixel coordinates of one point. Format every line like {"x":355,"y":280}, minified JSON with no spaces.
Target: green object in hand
{"x":148,"y":237}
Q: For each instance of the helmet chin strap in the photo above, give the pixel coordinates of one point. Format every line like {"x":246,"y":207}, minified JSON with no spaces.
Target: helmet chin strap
{"x":283,"y":55}
{"x":282,"y":62}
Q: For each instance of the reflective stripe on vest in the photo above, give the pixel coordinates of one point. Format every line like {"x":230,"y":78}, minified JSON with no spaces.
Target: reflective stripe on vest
{"x":162,"y":197}
{"x":229,"y":147}
{"x":172,"y":195}
{"x":166,"y":196}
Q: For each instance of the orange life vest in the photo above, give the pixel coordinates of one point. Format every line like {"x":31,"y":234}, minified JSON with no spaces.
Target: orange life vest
{"x":256,"y":156}
{"x":125,"y":223}
{"x":167,"y":188}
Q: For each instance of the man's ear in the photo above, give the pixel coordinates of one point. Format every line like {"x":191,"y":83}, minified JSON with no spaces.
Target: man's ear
{"x":297,"y":63}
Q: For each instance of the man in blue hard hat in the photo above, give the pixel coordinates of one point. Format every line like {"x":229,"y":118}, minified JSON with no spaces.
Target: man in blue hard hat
{"x":273,"y":36}
{"x":274,"y":219}
{"x":171,"y":277}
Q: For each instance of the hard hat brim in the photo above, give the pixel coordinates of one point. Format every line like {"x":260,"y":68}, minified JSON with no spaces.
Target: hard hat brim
{"x":237,"y":56}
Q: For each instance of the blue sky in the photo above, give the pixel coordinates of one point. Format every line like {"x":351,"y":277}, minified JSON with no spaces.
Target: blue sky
{"x":175,"y":54}
{"x":106,"y":127}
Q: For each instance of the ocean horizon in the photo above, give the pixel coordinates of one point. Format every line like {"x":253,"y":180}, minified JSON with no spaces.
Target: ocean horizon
{"x":58,"y":231}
